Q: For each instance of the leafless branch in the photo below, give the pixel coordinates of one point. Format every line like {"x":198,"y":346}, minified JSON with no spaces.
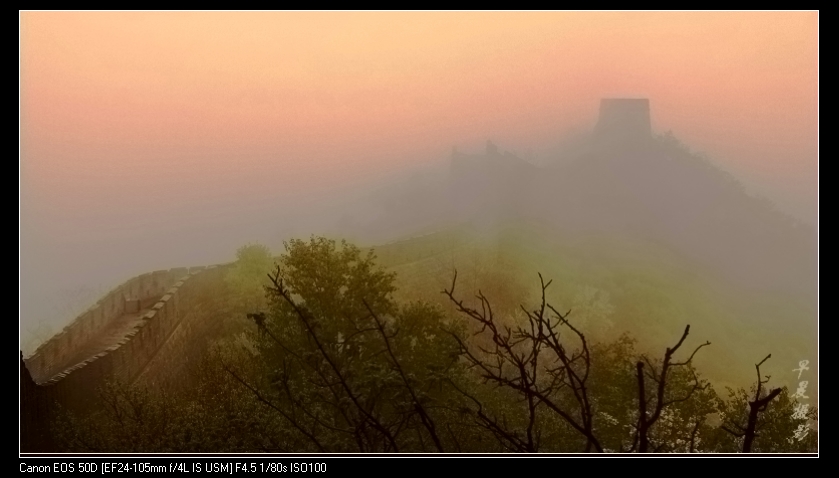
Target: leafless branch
{"x":646,"y":420}
{"x":513,"y":361}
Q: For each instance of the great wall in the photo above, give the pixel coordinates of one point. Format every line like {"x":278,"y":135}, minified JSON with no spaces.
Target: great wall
{"x":147,"y":329}
{"x":144,"y":331}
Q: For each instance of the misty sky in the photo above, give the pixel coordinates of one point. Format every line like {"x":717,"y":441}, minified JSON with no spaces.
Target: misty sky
{"x":151,"y":140}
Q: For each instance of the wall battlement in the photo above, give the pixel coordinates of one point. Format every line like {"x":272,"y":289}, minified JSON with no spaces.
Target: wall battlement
{"x":141,"y":331}
{"x":56,"y":355}
{"x":624,"y":120}
{"x":152,"y":303}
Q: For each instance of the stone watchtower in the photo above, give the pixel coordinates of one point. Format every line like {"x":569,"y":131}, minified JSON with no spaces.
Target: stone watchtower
{"x":624,"y":121}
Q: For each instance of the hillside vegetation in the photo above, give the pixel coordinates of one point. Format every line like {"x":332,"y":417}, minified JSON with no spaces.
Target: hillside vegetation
{"x":345,"y":356}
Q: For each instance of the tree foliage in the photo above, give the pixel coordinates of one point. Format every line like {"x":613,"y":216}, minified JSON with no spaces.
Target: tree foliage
{"x":247,"y":276}
{"x":332,"y":363}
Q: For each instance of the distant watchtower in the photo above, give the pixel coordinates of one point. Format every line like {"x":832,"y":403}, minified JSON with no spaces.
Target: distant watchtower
{"x":624,"y":121}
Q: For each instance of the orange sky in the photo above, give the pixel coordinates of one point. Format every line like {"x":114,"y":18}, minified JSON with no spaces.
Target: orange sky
{"x":182,"y":103}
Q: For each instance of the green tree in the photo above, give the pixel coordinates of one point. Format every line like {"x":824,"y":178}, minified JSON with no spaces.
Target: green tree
{"x":339,"y":361}
{"x":132,"y":419}
{"x":335,"y":364}
{"x":249,"y":276}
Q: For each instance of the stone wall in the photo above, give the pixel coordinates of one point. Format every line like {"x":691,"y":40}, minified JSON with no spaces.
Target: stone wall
{"x":159,"y":343}
{"x":624,"y":122}
{"x":202,"y":309}
{"x":133,"y":295}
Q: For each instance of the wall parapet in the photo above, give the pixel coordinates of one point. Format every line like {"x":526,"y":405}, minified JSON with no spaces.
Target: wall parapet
{"x":153,"y":290}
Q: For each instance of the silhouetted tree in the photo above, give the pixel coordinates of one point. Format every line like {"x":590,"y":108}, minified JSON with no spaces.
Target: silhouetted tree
{"x":756,"y":406}
{"x":550,"y":374}
{"x":784,"y":417}
{"x":646,"y":417}
{"x":522,"y":359}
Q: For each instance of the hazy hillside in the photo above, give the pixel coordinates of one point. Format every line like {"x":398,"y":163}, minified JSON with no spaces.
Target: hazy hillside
{"x":658,"y":191}
{"x":649,"y":233}
{"x":611,"y":286}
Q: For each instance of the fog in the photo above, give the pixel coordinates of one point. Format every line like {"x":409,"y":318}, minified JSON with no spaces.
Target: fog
{"x":157,"y":140}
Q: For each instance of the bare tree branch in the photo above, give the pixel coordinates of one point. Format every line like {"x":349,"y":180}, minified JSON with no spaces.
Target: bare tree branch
{"x":646,"y":420}
{"x":513,"y":361}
